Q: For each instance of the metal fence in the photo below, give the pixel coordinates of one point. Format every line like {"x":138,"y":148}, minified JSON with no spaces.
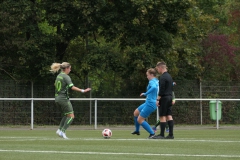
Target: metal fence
{"x":112,"y":116}
{"x":190,"y":107}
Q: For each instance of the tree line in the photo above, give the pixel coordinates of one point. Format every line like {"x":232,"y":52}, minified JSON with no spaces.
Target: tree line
{"x":111,"y":43}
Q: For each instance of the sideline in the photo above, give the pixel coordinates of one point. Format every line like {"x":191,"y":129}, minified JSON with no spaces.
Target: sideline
{"x":108,"y":153}
{"x":2,"y":139}
{"x":122,"y":127}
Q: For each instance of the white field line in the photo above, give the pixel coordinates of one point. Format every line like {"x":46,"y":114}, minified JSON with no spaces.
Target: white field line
{"x":112,"y":153}
{"x":111,"y":139}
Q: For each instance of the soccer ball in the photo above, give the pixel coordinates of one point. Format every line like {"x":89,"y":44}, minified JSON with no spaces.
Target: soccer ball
{"x":106,"y":133}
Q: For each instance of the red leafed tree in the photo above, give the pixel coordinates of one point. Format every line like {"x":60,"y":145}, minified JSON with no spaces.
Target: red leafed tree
{"x":218,"y":58}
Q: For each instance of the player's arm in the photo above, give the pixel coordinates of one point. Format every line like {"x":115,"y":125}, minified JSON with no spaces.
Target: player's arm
{"x":158,"y":100}
{"x":173,"y":95}
{"x":80,"y":90}
{"x":71,"y":85}
{"x":148,"y":91}
{"x":173,"y":98}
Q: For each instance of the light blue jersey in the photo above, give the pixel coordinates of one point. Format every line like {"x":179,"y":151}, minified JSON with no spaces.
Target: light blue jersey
{"x":150,"y":106}
{"x":152,"y":90}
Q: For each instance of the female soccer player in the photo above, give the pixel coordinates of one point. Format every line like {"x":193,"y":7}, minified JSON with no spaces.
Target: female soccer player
{"x":144,"y":110}
{"x":62,"y":83}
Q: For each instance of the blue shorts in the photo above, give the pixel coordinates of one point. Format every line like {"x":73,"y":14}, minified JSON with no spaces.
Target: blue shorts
{"x":147,"y":108}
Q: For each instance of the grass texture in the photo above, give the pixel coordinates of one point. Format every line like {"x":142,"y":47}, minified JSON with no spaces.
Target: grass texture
{"x":88,"y":144}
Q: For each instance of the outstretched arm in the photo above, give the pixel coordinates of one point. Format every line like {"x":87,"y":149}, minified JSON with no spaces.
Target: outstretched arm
{"x":80,"y":90}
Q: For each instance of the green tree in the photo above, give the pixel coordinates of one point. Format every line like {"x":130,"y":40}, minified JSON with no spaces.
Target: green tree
{"x":187,"y":44}
{"x":24,"y":49}
{"x":120,"y":39}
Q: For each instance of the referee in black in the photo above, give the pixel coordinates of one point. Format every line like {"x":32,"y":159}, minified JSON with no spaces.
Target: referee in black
{"x":165,"y":101}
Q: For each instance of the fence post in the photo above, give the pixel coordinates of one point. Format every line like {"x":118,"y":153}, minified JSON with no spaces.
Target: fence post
{"x":217,"y":113}
{"x":95,"y":117}
{"x":32,"y":114}
{"x":90,"y":107}
{"x":32,"y":105}
{"x":158,"y":116}
{"x":200,"y":101}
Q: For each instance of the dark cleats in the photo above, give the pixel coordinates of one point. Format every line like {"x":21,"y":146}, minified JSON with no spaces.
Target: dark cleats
{"x":135,"y":132}
{"x":169,"y":137}
{"x":151,"y":136}
{"x":158,"y":137}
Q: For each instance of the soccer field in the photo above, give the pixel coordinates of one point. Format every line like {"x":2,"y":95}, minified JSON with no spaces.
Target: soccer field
{"x":203,"y":143}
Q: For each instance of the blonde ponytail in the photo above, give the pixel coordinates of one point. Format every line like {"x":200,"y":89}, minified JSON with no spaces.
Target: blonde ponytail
{"x":55,"y":67}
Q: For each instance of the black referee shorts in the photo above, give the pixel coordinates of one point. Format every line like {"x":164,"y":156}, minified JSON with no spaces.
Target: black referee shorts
{"x":165,"y":107}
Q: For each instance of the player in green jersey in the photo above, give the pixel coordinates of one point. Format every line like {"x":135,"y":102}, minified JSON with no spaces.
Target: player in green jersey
{"x":62,"y":83}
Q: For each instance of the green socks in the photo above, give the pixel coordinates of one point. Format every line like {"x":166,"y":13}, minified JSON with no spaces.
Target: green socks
{"x":158,"y":123}
{"x":62,"y":122}
{"x":67,"y":123}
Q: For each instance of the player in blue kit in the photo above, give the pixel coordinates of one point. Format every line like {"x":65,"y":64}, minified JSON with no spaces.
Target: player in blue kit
{"x":145,"y":109}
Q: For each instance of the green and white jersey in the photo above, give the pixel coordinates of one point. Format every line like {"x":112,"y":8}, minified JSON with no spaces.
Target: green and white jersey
{"x":62,"y":83}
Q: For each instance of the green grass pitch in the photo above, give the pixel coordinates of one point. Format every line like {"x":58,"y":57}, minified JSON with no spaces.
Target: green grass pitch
{"x":200,"y":142}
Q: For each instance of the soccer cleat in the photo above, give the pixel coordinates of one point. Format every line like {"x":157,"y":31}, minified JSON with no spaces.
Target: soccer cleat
{"x":158,"y":137}
{"x":60,"y":134}
{"x":169,"y":137}
{"x":63,"y":135}
{"x":167,"y":130}
{"x":135,"y":132}
{"x":154,"y":129}
{"x":57,"y":132}
{"x":151,"y":136}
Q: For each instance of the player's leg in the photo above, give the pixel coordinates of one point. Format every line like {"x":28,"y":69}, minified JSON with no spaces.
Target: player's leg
{"x":157,"y":123}
{"x":167,"y":127}
{"x":63,"y":118}
{"x":162,"y":126}
{"x":170,"y":122}
{"x":61,"y":124}
{"x":146,"y":126}
{"x":68,"y":111}
{"x":146,"y":111}
{"x":136,"y":114}
{"x":162,"y":116}
{"x":68,"y":122}
{"x":155,"y":126}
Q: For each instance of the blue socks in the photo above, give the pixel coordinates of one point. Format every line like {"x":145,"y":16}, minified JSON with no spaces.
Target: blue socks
{"x":137,"y":125}
{"x":147,"y":127}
